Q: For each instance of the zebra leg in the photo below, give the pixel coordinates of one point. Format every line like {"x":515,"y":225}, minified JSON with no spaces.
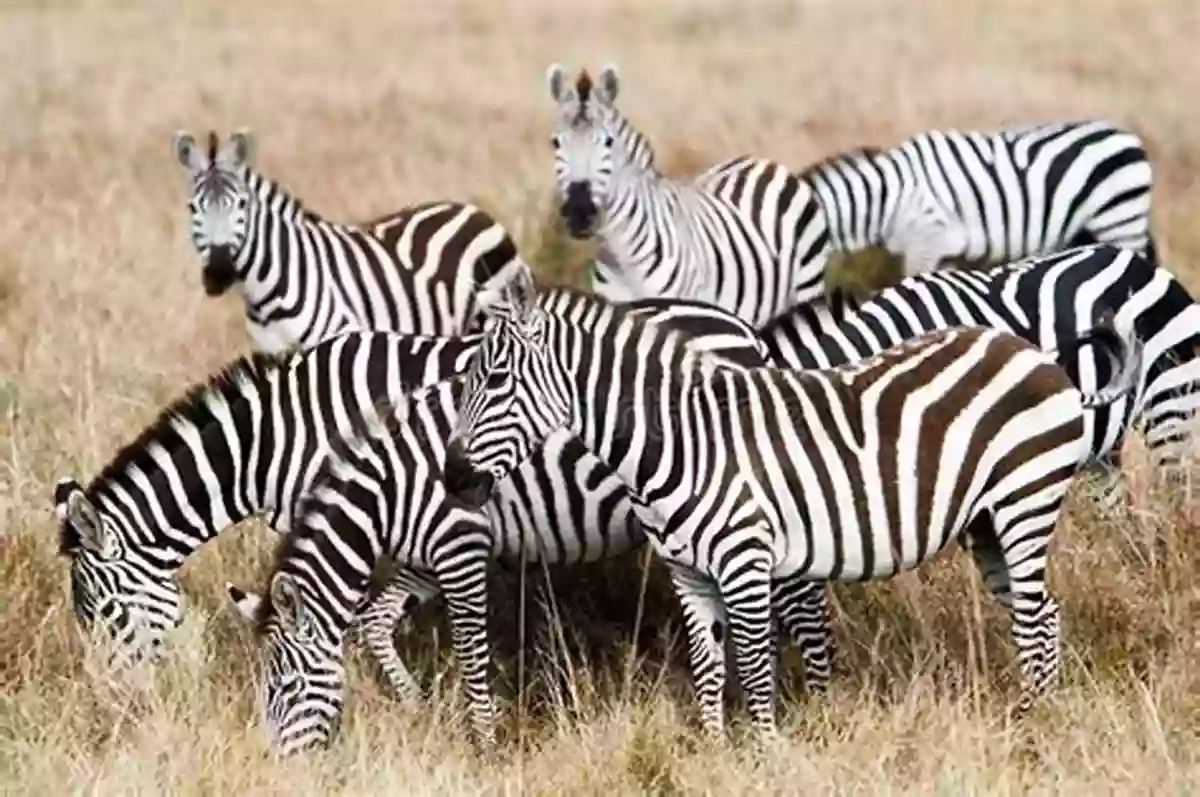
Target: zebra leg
{"x":463,"y":578}
{"x":803,"y":611}
{"x":746,"y":588}
{"x":379,"y":621}
{"x":704,"y":617}
{"x":1010,"y":549}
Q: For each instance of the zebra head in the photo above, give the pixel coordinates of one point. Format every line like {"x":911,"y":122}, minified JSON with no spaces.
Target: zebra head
{"x":591,"y":141}
{"x":303,"y":670}
{"x":516,"y":394}
{"x":117,"y":592}
{"x":221,"y":205}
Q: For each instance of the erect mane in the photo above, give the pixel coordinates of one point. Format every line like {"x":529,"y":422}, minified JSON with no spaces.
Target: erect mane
{"x":191,"y":408}
{"x":583,"y":86}
{"x":845,"y":156}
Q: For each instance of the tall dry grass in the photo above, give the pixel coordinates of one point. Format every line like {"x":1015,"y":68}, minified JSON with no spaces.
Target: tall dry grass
{"x":364,"y":107}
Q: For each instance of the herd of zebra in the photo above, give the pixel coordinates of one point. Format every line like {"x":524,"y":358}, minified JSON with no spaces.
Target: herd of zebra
{"x":418,"y":397}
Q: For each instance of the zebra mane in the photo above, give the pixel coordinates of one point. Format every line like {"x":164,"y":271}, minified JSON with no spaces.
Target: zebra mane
{"x":838,"y":158}
{"x":192,"y":408}
{"x":379,"y":421}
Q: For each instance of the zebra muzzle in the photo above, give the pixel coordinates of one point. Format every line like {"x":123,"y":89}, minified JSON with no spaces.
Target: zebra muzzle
{"x":579,"y":210}
{"x":463,"y":482}
{"x":219,"y":272}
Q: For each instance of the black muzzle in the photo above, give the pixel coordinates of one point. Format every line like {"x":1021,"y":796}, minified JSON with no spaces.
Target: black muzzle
{"x":578,"y":210}
{"x":219,"y":272}
{"x":465,"y":484}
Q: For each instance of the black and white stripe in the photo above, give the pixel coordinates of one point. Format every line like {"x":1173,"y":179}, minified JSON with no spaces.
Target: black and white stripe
{"x":748,"y":476}
{"x":747,"y":235}
{"x":1048,"y":301}
{"x":305,"y":278}
{"x":987,"y":198}
{"x":250,"y":442}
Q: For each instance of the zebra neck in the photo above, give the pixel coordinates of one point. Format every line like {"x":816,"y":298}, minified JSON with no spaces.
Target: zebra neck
{"x":647,"y":236}
{"x":645,"y":408}
{"x":286,"y":264}
{"x":190,"y":475}
{"x":860,"y":195}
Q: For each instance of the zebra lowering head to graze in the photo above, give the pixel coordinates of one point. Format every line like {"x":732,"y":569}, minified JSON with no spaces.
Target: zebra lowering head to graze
{"x":745,"y":476}
{"x":359,"y":510}
{"x":249,"y":442}
{"x":304,"y":278}
{"x":747,"y":236}
{"x":987,"y":198}
{"x":1048,"y":300}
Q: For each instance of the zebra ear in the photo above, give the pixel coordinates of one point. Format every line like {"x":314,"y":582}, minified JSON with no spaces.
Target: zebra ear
{"x":520,"y":293}
{"x":80,"y":523}
{"x":249,"y":604}
{"x":184,"y":146}
{"x":241,"y":148}
{"x":556,"y":79}
{"x":607,"y":86}
{"x":288,"y":604}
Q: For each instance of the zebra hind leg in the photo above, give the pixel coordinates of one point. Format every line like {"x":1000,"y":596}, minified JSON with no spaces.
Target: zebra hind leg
{"x":380,"y":620}
{"x":803,"y":611}
{"x":746,"y":590}
{"x":704,"y":618}
{"x":1010,"y":551}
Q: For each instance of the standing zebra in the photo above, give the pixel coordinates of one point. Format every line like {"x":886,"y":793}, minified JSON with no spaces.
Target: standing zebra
{"x":1046,"y":300}
{"x":747,"y":236}
{"x":250,"y":442}
{"x":745,"y":476}
{"x":305,"y":278}
{"x":990,"y":197}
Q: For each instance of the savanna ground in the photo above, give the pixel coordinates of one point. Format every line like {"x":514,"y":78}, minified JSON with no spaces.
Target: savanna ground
{"x":364,"y":107}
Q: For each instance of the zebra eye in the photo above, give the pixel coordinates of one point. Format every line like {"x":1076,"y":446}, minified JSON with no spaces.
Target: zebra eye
{"x":554,"y":142}
{"x":496,"y":380}
{"x":609,"y":141}
{"x":241,"y":203}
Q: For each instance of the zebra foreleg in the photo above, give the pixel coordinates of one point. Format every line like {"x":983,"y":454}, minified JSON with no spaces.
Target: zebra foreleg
{"x":802,"y":608}
{"x":705,"y":620}
{"x":462,"y":574}
{"x":379,"y":621}
{"x":746,"y":589}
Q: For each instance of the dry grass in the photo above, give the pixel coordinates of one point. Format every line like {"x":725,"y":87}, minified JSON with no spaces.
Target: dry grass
{"x":102,"y":319}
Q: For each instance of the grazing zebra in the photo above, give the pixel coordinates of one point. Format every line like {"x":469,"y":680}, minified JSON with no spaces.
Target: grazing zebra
{"x":1046,"y":300}
{"x":305,"y":278}
{"x":746,"y":236}
{"x":745,"y":476}
{"x":990,"y":197}
{"x":250,"y":441}
{"x":380,"y":495}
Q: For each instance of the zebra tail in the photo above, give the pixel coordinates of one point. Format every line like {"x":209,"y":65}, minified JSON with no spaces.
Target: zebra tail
{"x":1124,"y":351}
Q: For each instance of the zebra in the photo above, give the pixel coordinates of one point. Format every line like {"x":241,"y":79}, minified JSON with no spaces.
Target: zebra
{"x":1046,"y":300}
{"x":747,"y":235}
{"x":250,"y":440}
{"x":969,"y":433}
{"x":380,"y":495}
{"x":988,"y":198}
{"x":304,"y":278}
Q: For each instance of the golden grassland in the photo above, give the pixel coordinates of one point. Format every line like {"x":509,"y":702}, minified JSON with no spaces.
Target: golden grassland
{"x":364,"y":107}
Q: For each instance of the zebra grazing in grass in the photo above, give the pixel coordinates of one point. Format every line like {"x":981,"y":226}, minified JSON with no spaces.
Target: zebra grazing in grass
{"x":362,"y":507}
{"x":745,"y":476}
{"x":305,"y":278}
{"x":381,"y":495}
{"x":1048,"y":301}
{"x":990,"y":197}
{"x":747,"y":236}
{"x":250,"y":442}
